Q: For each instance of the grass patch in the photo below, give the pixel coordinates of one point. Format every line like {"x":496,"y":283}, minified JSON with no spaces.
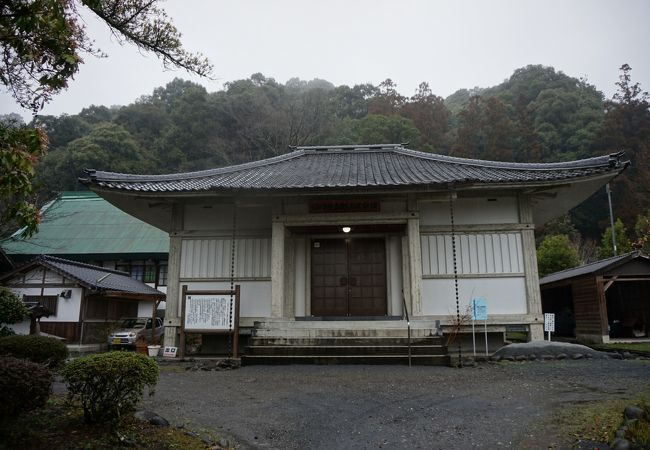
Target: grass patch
{"x":598,"y":421}
{"x":59,"y":425}
{"x":638,"y":346}
{"x":516,"y":336}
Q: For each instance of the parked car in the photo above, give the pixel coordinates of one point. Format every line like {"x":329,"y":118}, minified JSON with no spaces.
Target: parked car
{"x":131,"y":328}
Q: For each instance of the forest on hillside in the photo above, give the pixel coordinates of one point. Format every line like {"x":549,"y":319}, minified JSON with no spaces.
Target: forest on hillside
{"x":538,"y":114}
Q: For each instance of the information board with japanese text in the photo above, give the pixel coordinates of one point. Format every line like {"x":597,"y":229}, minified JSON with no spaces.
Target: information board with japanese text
{"x":209,"y":313}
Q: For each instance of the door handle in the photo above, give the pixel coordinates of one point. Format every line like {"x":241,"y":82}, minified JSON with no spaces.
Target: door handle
{"x":343,"y":281}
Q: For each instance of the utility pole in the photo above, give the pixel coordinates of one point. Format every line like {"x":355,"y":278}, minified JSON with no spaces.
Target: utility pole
{"x":611,"y":218}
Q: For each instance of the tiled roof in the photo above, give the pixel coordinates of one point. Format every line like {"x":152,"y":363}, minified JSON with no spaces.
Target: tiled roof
{"x":82,"y":224}
{"x":356,"y":166}
{"x":93,"y":277}
{"x":597,"y":267}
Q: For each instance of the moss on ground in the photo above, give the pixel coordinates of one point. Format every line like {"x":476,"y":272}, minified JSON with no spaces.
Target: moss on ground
{"x":59,"y":425}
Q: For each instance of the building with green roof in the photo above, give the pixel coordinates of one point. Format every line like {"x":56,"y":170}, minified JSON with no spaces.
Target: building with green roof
{"x":84,"y":227}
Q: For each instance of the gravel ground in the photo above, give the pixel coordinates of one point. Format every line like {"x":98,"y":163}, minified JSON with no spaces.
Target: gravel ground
{"x":504,"y":405}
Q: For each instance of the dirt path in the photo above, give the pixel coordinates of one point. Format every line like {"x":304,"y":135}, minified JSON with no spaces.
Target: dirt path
{"x":506,"y":405}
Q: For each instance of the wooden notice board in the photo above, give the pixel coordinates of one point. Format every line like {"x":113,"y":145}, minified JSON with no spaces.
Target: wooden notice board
{"x":208,"y":312}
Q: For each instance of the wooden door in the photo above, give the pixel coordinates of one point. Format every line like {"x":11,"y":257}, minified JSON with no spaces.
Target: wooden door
{"x":348,"y":277}
{"x":367,"y":277}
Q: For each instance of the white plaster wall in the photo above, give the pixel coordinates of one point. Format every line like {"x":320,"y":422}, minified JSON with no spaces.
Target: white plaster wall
{"x":67,"y":308}
{"x":504,"y":295}
{"x":21,"y":328}
{"x":476,"y":253}
{"x":470,"y":211}
{"x":255,"y":295}
{"x":36,"y":276}
{"x":218,"y":217}
{"x":145,"y":309}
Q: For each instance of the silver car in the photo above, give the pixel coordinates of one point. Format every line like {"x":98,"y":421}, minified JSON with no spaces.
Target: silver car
{"x":131,"y":328}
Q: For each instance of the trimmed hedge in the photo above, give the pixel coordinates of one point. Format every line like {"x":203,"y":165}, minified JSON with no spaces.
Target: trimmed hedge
{"x":109,"y":385}
{"x":39,"y":349}
{"x":25,"y":386}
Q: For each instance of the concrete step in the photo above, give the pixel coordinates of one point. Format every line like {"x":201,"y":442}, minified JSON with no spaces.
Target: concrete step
{"x":338,"y":350}
{"x":339,"y":332}
{"x":423,"y":360}
{"x":345,"y":341}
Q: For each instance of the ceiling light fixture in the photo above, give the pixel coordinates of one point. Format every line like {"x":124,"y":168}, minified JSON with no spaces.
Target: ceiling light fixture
{"x":347,"y":229}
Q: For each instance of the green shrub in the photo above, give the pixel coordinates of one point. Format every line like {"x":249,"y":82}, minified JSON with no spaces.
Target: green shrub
{"x":39,"y":349}
{"x":24,"y":385}
{"x":12,"y":310}
{"x":109,"y":384}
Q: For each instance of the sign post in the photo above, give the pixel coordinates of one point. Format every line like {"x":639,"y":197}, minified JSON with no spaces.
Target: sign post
{"x":479,"y":312}
{"x":210,"y":312}
{"x":549,"y":324}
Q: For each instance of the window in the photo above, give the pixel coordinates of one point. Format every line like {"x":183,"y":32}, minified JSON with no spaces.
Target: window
{"x":50,"y":302}
{"x":162,"y":275}
{"x":137,"y":272}
{"x":147,"y":272}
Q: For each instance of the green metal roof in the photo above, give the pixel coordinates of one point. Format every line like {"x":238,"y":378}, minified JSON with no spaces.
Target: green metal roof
{"x":84,"y":225}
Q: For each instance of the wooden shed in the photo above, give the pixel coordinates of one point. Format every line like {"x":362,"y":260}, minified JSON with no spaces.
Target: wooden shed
{"x":607,"y":299}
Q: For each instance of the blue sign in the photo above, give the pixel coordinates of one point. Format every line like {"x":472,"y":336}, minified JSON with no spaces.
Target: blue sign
{"x":479,"y":309}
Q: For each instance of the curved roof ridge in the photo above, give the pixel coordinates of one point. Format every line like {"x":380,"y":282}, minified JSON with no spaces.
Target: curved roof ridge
{"x":612,"y":159}
{"x":116,"y":176}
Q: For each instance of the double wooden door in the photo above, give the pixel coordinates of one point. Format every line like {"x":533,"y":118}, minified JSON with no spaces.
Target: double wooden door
{"x":348,"y":277}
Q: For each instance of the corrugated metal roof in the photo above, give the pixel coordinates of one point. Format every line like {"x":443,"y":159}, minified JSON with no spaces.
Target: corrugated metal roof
{"x":597,"y":267}
{"x":92,"y":277}
{"x":354,"y":167}
{"x":81,"y":223}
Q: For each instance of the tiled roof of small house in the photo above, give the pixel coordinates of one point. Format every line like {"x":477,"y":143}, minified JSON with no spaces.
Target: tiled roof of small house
{"x":340,"y":167}
{"x":93,"y":277}
{"x":596,"y":267}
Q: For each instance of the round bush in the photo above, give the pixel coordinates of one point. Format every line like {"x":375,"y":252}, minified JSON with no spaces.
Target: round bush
{"x":109,"y":385}
{"x":24,"y":385}
{"x":39,"y":349}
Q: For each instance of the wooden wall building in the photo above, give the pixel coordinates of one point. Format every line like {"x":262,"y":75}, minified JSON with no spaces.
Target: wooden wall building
{"x":607,"y":299}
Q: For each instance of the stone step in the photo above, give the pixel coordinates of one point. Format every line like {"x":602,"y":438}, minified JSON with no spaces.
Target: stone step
{"x":339,"y":350}
{"x":339,"y":332}
{"x":427,"y":360}
{"x":345,"y":341}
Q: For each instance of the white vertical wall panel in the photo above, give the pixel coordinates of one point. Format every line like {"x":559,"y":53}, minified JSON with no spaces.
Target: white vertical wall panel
{"x":210,"y":258}
{"x":492,"y":210}
{"x":479,"y":253}
{"x":504,"y":295}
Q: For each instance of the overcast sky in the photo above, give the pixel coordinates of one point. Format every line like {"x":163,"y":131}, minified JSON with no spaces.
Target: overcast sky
{"x":449,"y":44}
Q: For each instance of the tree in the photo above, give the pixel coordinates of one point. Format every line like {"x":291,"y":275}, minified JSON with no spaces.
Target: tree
{"x":623,"y":244}
{"x":556,"y":253}
{"x":12,"y":310}
{"x":430,"y":116}
{"x":20,"y":148}
{"x":42,"y":43}
{"x":387,"y":101}
{"x":627,"y":128}
{"x":642,"y":232}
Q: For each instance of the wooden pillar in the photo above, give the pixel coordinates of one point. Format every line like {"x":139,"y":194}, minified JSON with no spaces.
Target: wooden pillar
{"x":602,"y":309}
{"x":173,"y":304}
{"x":277,"y":269}
{"x":533,"y":294}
